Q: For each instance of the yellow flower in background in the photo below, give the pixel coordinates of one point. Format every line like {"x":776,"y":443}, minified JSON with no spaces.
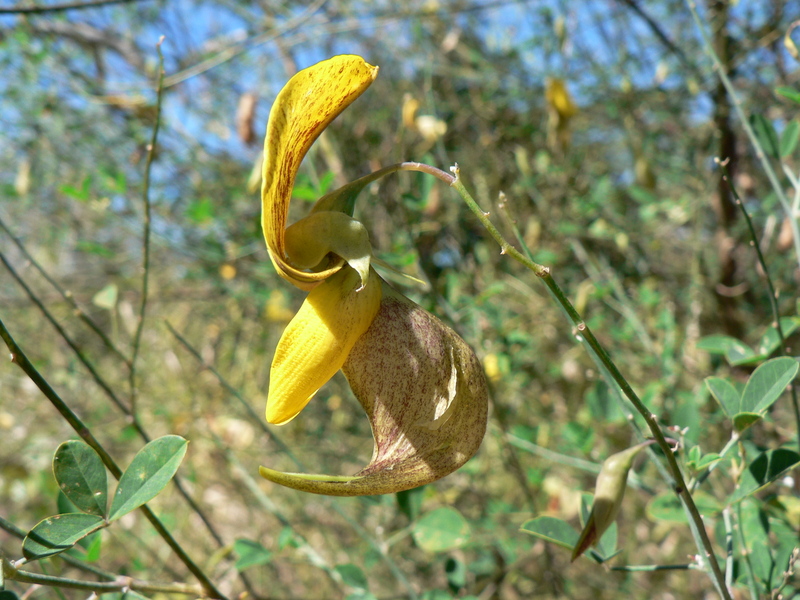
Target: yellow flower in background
{"x":420,"y":384}
{"x":560,"y":109}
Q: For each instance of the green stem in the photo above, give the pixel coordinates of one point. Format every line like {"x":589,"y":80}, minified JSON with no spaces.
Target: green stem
{"x":762,"y":156}
{"x":151,"y":152}
{"x":582,"y":332}
{"x":773,"y":296}
{"x":729,"y":560}
{"x":751,"y":575}
{"x":120,"y":584}
{"x":132,"y":419}
{"x":636,"y":568}
{"x":66,"y":295}
{"x":20,"y":359}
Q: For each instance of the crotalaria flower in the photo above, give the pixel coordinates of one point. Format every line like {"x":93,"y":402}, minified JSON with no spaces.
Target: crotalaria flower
{"x":420,"y":384}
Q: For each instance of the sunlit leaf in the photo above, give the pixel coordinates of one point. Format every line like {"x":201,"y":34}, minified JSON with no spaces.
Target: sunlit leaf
{"x":743,"y":420}
{"x":81,"y":476}
{"x":148,"y":474}
{"x":55,"y":534}
{"x":667,"y":506}
{"x":789,"y":93}
{"x":251,"y":554}
{"x":552,"y":530}
{"x":789,"y":138}
{"x":767,"y":383}
{"x":353,"y":576}
{"x":765,"y":469}
{"x":766,"y":135}
{"x":107,"y":297}
{"x":441,"y":529}
{"x":725,"y":394}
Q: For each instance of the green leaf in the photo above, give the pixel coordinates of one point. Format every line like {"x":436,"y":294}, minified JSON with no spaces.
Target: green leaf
{"x":717,"y":344}
{"x":743,"y":420}
{"x":94,"y":248}
{"x":668,"y":507}
{"x":81,"y":193}
{"x":766,"y":135}
{"x":251,"y":554}
{"x":56,"y":534}
{"x":200,"y":212}
{"x":767,"y":383}
{"x":441,"y":529}
{"x":94,"y":546}
{"x":410,"y":501}
{"x":353,"y":576}
{"x":708,"y":460}
{"x":552,"y":530}
{"x":148,"y":474}
{"x":81,"y":476}
{"x":286,"y":538}
{"x":789,"y":93}
{"x":107,"y":297}
{"x":789,"y":138}
{"x":771,"y":341}
{"x":725,"y":394}
{"x":456,"y":572}
{"x":766,"y":468}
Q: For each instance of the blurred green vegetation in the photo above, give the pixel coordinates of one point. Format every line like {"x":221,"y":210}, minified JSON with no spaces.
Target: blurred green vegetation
{"x":622,"y":200}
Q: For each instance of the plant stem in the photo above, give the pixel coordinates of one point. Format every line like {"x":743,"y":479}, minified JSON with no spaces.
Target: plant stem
{"x":729,"y":561}
{"x":67,"y":296}
{"x":751,"y":575}
{"x":760,"y":154}
{"x":582,"y":332}
{"x":151,"y":152}
{"x":119,"y":585}
{"x":773,"y":296}
{"x":636,"y":568}
{"x":106,"y":388}
{"x":21,"y":360}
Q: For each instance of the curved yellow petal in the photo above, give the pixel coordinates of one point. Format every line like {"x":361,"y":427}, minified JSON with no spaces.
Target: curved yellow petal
{"x":304,"y":107}
{"x":318,"y":340}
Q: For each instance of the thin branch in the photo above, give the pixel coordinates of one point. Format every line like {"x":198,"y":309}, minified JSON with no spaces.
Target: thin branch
{"x":582,"y":332}
{"x":120,"y":584}
{"x":20,"y":359}
{"x":67,"y":296}
{"x":40,"y":9}
{"x":657,"y":31}
{"x":737,"y":105}
{"x":132,"y":419}
{"x":639,"y":568}
{"x":73,"y":346}
{"x":773,"y":296}
{"x":151,"y":151}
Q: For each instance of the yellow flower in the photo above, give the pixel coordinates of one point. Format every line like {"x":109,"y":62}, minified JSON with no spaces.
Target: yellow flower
{"x":420,"y":384}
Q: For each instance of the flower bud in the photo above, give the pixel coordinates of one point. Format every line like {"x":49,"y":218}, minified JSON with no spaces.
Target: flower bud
{"x":609,"y":491}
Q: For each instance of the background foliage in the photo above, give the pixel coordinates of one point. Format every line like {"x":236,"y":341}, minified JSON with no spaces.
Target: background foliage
{"x":622,"y":200}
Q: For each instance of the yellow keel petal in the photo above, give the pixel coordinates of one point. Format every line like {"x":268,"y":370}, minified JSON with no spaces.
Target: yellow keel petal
{"x":318,"y":340}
